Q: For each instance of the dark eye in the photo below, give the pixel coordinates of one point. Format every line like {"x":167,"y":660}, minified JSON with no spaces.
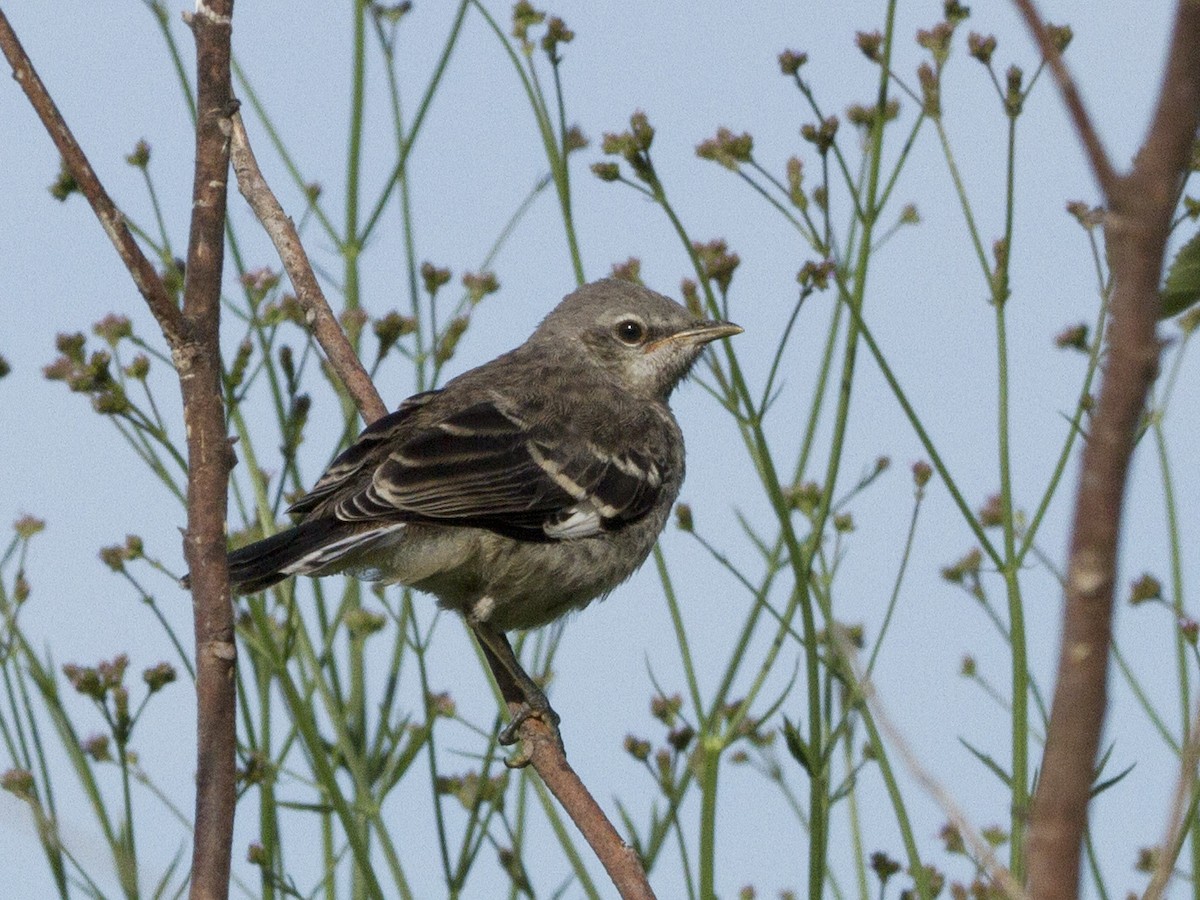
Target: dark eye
{"x":631,"y":331}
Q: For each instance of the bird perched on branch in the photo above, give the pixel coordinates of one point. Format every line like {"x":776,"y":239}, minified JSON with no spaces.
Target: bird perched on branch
{"x":523,"y":489}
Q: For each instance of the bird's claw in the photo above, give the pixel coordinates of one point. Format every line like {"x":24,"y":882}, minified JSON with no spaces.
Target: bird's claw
{"x":511,"y":733}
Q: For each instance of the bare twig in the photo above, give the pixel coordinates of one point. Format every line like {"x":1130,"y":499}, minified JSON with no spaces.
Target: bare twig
{"x":111,"y":220}
{"x":319,"y":315}
{"x":1137,"y":224}
{"x":198,"y":360}
{"x":1184,"y":788}
{"x":539,"y":742}
{"x":617,"y":857}
{"x":541,"y":747}
{"x":1101,"y":166}
{"x":192,"y":334}
{"x":984,"y":852}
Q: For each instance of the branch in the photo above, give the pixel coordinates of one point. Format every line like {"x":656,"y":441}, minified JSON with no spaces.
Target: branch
{"x":111,"y":219}
{"x":541,"y":747}
{"x":1101,"y":166}
{"x":318,"y":314}
{"x":540,"y":744}
{"x":618,"y":858}
{"x":1173,"y":840}
{"x":192,"y":334}
{"x":1137,"y":225}
{"x":209,"y":459}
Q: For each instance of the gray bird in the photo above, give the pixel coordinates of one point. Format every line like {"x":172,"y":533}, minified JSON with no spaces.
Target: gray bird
{"x":523,"y":489}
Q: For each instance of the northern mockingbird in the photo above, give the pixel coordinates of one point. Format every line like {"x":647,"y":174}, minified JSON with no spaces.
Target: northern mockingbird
{"x":523,"y":489}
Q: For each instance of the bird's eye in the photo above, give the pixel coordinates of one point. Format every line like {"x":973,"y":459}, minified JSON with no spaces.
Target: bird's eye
{"x":631,"y":331}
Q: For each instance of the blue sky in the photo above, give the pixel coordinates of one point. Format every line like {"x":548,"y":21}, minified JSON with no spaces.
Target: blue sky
{"x":692,"y":68}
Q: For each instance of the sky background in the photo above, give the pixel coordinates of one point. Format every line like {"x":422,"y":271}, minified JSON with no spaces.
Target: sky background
{"x":692,"y":67}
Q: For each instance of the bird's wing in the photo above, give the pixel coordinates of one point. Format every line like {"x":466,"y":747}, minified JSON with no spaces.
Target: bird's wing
{"x":343,"y":471}
{"x":483,"y":467}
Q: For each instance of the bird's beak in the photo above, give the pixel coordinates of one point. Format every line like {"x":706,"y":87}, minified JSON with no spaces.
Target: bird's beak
{"x":700,"y":334}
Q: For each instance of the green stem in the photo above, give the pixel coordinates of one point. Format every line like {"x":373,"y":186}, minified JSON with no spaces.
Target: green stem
{"x":1011,"y":569}
{"x":1182,"y":648}
{"x":268,"y":806}
{"x":819,"y":799}
{"x":879,"y":751}
{"x":710,"y":762}
{"x":127,"y":868}
{"x":559,"y":827}
{"x":559,"y":165}
{"x":422,"y":108}
{"x":960,"y":189}
{"x":856,"y":835}
{"x":352,"y":240}
{"x":905,"y":557}
{"x":1144,"y":701}
{"x":303,"y":718}
{"x":355,"y":710}
{"x":914,"y":420}
{"x":1073,"y":432}
{"x":685,"y":653}
{"x":553,"y":146}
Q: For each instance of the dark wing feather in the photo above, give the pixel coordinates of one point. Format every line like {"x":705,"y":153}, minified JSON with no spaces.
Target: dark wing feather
{"x":483,"y":467}
{"x":340,"y":475}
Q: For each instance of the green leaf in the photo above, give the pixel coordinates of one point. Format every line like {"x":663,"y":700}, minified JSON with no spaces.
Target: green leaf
{"x":1099,"y":770}
{"x":848,"y":785}
{"x":164,"y":884}
{"x":1181,"y":290}
{"x":797,"y":747}
{"x":1099,"y":786}
{"x":631,"y":832}
{"x":843,"y":790}
{"x":1105,"y":785}
{"x":989,"y":762}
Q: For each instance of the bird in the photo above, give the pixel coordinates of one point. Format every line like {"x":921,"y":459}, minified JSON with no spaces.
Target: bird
{"x":522,"y":489}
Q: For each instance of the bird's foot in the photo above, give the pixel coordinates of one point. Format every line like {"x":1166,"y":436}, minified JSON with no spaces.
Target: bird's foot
{"x":536,"y":707}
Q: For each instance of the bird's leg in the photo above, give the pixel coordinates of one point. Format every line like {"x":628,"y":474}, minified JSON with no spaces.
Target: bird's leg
{"x":524,"y":698}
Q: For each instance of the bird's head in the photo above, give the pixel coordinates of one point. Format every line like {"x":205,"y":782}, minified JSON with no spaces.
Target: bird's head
{"x":643,"y":340}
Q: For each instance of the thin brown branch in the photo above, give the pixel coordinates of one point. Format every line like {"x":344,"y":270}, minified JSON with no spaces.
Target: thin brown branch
{"x":209,"y":458}
{"x":984,"y":852}
{"x":111,"y":219}
{"x":618,"y":858}
{"x":192,"y":334}
{"x":320,"y":317}
{"x":1101,"y":166}
{"x":1137,"y":226}
{"x":541,"y":747}
{"x":1173,"y":839}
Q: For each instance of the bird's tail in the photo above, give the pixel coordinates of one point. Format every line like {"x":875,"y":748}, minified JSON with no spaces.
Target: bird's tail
{"x":257,"y":566}
{"x":309,"y":548}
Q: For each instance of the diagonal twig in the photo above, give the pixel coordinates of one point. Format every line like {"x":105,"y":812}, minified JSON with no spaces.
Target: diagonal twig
{"x":1139,"y":206}
{"x":1092,"y":145}
{"x":318,"y":314}
{"x":148,"y":282}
